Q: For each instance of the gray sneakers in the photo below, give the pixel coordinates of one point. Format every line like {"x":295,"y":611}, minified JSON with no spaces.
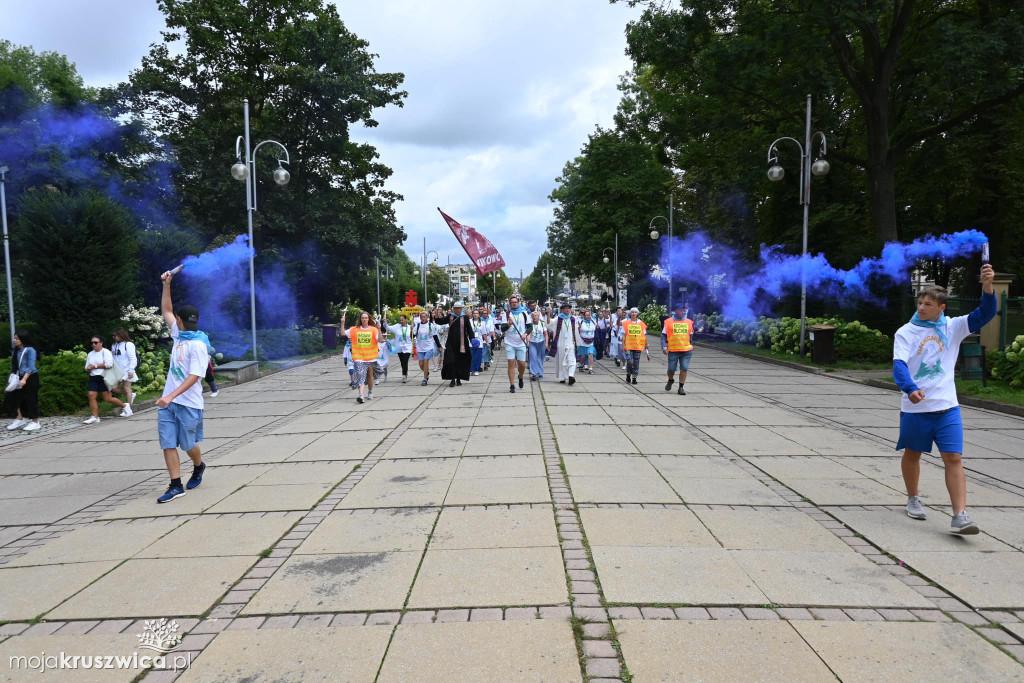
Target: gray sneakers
{"x":962,"y":525}
{"x":914,"y":508}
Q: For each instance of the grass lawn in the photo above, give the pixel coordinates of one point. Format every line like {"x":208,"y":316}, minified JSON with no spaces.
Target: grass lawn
{"x":995,"y":391}
{"x":839,"y":365}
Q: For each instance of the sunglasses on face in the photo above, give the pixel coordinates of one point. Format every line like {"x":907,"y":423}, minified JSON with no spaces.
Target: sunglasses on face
{"x":96,"y":342}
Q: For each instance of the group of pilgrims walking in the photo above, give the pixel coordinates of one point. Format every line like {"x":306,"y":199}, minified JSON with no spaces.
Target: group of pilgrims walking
{"x":462,"y":343}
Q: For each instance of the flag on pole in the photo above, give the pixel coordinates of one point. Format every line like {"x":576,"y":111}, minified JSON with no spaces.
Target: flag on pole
{"x":479,"y":249}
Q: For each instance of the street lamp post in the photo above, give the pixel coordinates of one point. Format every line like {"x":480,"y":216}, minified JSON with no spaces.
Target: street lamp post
{"x":819,"y":168}
{"x":7,"y":249}
{"x":247,"y":171}
{"x":615,"y":251}
{"x":654,"y":236}
{"x":436,"y":257}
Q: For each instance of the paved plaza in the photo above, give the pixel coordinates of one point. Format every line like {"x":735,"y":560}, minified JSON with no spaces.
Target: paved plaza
{"x":752,"y":529}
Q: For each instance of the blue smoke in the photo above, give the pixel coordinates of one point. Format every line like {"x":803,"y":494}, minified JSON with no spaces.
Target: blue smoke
{"x":741,"y":288}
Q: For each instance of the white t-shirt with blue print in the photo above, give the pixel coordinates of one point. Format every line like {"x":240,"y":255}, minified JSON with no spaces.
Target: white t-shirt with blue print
{"x":932,"y":362}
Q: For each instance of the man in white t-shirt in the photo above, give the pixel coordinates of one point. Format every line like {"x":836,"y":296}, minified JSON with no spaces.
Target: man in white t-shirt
{"x":924,"y":357}
{"x":180,"y":409}
{"x":517,"y":335}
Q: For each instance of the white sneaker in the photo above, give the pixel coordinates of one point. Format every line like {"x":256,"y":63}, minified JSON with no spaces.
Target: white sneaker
{"x":91,"y":421}
{"x":369,"y":395}
{"x":126,"y":411}
{"x":14,"y":425}
{"x":31,"y":427}
{"x":133,"y":399}
{"x":213,"y":394}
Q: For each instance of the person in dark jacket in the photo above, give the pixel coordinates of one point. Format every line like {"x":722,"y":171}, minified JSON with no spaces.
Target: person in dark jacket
{"x":458,"y":347}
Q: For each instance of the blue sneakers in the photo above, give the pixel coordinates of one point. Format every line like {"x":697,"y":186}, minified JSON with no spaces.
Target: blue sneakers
{"x":197,"y":477}
{"x":520,"y":381}
{"x":172,"y":493}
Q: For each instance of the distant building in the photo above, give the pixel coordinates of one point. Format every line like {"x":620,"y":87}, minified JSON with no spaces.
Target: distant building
{"x":462,"y":277}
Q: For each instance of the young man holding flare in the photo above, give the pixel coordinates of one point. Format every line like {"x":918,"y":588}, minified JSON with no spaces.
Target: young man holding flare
{"x":924,"y":358}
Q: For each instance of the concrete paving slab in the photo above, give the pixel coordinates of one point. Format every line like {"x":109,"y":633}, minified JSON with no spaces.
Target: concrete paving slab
{"x":84,"y":645}
{"x":894,"y":651}
{"x":518,"y":527}
{"x":850,"y":491}
{"x":592,"y":439}
{"x":145,"y":588}
{"x":630,"y":527}
{"x":96,"y":542}
{"x":305,"y":654}
{"x":305,"y":473}
{"x":717,"y":651}
{"x":337,"y":582}
{"x":640,"y":417}
{"x":266,"y":449}
{"x":785,"y":468}
{"x":608,"y":466}
{"x":403,"y":494}
{"x":668,"y":440}
{"x":1006,"y":525}
{"x":27,"y":592}
{"x":221,"y":536}
{"x":982,"y":579}
{"x":622,"y":490}
{"x":16,"y":511}
{"x":694,"y":576}
{"x":339,"y":446}
{"x":517,"y":415}
{"x":60,"y":485}
{"x":373,"y":419}
{"x":500,"y":467}
{"x":825,"y":441}
{"x":736,"y":491}
{"x":490,"y":577}
{"x":846,"y":579}
{"x":314,"y":422}
{"x":429,"y":443}
{"x":496,"y":491}
{"x":254,"y":498}
{"x":772,"y":417}
{"x":893,"y":531}
{"x":711,"y":416}
{"x":505,"y":440}
{"x":537,"y":650}
{"x":408,"y":471}
{"x":700,"y":467}
{"x":402,"y":530}
{"x":770,"y":530}
{"x":755,"y":441}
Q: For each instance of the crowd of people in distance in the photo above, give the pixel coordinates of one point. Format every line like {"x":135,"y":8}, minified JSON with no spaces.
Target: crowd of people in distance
{"x":462,"y":342}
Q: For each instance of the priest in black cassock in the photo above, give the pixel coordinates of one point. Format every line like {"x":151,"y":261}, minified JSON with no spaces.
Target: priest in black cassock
{"x":457,"y":353}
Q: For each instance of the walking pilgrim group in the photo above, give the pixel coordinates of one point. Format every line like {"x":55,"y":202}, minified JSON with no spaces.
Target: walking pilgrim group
{"x":461,"y":343}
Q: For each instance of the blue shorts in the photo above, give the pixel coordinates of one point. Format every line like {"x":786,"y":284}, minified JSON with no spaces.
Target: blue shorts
{"x":426,"y":355}
{"x":586,"y":350}
{"x":179,"y":426}
{"x":919,"y":430}
{"x":98,"y":384}
{"x":680,"y":358}
{"x":515,"y":352}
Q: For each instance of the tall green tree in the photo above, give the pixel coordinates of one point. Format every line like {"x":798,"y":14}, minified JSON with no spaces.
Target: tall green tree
{"x":536,"y":285}
{"x":77,"y":262}
{"x":722,"y":79}
{"x":308,"y":80}
{"x":616,"y":185}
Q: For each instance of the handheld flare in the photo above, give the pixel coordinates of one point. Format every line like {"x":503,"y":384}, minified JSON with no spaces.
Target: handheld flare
{"x":175,"y":271}
{"x":985,"y":253}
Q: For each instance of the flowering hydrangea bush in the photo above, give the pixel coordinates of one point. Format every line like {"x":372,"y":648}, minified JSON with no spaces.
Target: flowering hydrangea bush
{"x":146,"y":325}
{"x":1009,"y":364}
{"x":652,"y":316}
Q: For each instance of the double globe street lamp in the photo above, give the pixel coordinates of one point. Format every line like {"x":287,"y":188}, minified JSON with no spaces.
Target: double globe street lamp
{"x":246,"y":170}
{"x":819,"y":167}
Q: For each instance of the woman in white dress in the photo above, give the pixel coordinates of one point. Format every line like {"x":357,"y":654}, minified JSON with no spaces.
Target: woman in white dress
{"x":562,"y":335}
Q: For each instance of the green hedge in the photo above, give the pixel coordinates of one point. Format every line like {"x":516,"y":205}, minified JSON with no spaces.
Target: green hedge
{"x":1008,"y":365}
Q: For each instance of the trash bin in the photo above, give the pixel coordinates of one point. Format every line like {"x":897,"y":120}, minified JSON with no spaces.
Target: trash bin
{"x":823,"y":344}
{"x":331,"y":336}
{"x":972,"y":360}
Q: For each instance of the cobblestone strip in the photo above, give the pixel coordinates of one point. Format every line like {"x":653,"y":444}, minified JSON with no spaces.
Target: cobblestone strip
{"x":600,"y":655}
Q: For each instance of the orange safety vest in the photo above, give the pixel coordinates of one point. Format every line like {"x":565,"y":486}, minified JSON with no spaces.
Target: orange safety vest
{"x":636,"y":335}
{"x":677,"y":332}
{"x":364,"y":343}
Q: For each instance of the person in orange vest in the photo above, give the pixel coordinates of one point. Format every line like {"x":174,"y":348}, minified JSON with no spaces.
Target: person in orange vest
{"x":634,"y":341}
{"x":675,"y":341}
{"x":365,"y":340}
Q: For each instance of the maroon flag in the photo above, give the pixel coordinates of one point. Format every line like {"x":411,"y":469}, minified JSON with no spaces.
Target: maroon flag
{"x":480,"y":250}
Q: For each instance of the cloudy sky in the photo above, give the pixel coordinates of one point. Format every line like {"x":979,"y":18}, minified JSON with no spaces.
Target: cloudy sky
{"x":501,"y":95}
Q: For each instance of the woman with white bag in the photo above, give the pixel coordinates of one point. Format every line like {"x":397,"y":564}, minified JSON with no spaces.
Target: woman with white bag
{"x":127,"y":358}
{"x":98,"y":364}
{"x":22,"y":393}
